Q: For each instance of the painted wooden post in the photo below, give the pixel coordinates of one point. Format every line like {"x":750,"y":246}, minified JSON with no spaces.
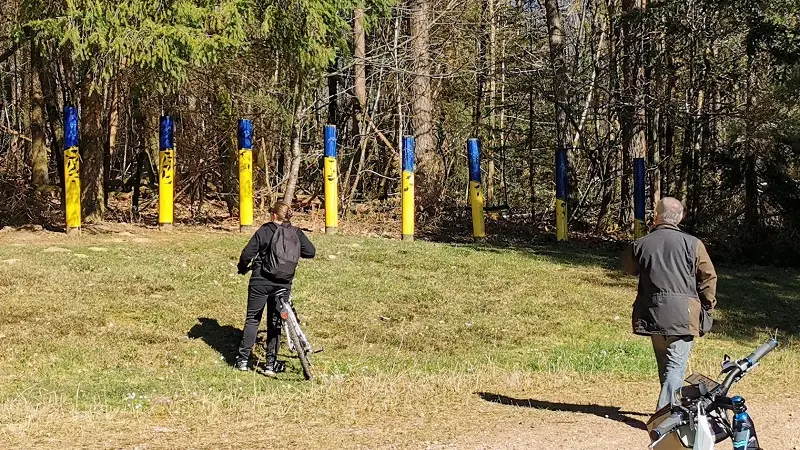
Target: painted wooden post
{"x":639,"y":215}
{"x":562,"y":232}
{"x":72,"y":171}
{"x":245,"y":138}
{"x":475,"y":194}
{"x":331,"y":180}
{"x":166,"y":172}
{"x":408,"y":188}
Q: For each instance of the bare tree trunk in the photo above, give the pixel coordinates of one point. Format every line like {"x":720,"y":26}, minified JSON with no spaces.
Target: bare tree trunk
{"x":429,"y":173}
{"x":333,"y":94}
{"x":92,"y":149}
{"x":297,"y":126}
{"x":557,"y":39}
{"x":492,"y":141}
{"x":140,"y":131}
{"x":667,"y":116}
{"x":359,"y":64}
{"x":634,"y":122}
{"x":614,"y":113}
{"x":654,"y":157}
{"x":751,"y":201}
{"x":652,"y":91}
{"x":576,"y":140}
{"x":39,"y":158}
{"x":111,"y":141}
{"x":264,"y":163}
{"x":531,"y":154}
{"x":398,"y":95}
{"x":360,"y":81}
{"x":47,"y":81}
{"x":477,"y":116}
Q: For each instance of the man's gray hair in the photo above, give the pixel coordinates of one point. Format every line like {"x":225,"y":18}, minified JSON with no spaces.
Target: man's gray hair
{"x":669,"y":210}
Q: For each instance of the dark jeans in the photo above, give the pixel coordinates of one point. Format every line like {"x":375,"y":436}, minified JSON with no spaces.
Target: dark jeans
{"x":259,"y":298}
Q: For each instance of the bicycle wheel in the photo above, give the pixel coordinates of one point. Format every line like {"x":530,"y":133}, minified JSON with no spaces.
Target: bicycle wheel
{"x":301,"y":351}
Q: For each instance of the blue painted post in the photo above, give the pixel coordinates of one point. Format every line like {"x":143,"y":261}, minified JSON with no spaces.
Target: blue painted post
{"x":407,"y":197}
{"x":562,"y":232}
{"x":331,"y":180}
{"x":245,"y":138}
{"x":475,"y":195}
{"x":166,"y":172}
{"x":639,"y":219}
{"x":72,"y":170}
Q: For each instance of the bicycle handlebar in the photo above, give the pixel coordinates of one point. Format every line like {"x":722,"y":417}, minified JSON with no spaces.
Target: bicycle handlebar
{"x":760,"y":352}
{"x":666,"y":427}
{"x":745,"y":364}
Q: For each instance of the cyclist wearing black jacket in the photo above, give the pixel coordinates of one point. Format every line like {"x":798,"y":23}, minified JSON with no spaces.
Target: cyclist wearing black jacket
{"x":263,"y":286}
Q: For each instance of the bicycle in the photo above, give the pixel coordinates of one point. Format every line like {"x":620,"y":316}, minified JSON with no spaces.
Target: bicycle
{"x":296,"y":340}
{"x":699,"y":417}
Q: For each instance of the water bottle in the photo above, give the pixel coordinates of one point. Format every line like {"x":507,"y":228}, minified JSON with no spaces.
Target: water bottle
{"x":744,"y":431}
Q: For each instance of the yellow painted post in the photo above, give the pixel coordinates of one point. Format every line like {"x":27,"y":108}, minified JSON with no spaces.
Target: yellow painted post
{"x":331,"y":180}
{"x":407,"y":193}
{"x":245,"y":175}
{"x":166,"y":172}
{"x":72,"y":171}
{"x":475,"y":194}
{"x":562,"y":233}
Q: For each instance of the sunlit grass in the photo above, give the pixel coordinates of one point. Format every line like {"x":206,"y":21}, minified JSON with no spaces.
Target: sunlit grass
{"x":137,"y":329}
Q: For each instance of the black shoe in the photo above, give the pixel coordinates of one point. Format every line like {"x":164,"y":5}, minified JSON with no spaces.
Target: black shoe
{"x":241,"y":364}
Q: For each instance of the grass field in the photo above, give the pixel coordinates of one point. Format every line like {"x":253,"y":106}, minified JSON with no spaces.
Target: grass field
{"x":124,"y":339}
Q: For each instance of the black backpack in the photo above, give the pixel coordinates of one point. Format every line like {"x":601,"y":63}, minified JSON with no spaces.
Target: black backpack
{"x":280,"y":259}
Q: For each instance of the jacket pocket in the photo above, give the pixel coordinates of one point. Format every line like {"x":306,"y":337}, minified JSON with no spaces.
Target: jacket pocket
{"x":671,"y":315}
{"x":706,"y":321}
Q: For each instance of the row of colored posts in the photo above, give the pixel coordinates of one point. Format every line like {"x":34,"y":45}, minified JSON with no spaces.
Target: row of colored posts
{"x":330,"y":175}
{"x":639,"y":215}
{"x":331,"y":181}
{"x":166,"y":172}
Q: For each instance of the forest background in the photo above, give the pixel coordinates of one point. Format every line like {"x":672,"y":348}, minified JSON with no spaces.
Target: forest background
{"x":706,"y":91}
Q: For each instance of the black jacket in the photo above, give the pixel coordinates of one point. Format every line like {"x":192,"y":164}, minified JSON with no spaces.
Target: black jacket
{"x":259,"y":244}
{"x":677,"y":283}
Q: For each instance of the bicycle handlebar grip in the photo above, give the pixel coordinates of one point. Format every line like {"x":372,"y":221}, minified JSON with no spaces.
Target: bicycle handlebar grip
{"x":669,"y":424}
{"x":763,"y":350}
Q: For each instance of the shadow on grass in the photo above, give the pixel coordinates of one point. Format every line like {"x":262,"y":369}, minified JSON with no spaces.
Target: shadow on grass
{"x":758,"y":299}
{"x":529,"y":237}
{"x":606,"y":412}
{"x":223,"y":339}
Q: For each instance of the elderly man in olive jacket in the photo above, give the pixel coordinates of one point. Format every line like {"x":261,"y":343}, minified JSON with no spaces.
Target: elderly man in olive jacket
{"x":677,"y":290}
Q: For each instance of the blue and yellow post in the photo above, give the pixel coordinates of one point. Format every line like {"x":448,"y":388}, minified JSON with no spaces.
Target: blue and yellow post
{"x":245,"y":138}
{"x":562,"y":233}
{"x":331,"y":180}
{"x":407,"y":193}
{"x":475,"y":195}
{"x":72,"y":170}
{"x":166,"y":171}
{"x":639,"y":219}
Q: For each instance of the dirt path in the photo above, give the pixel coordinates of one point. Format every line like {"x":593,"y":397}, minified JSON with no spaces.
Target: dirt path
{"x":777,"y":425}
{"x":501,"y":427}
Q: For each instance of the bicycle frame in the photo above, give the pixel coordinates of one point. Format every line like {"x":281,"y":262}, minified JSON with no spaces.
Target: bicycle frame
{"x":295,"y":338}
{"x":289,"y":319}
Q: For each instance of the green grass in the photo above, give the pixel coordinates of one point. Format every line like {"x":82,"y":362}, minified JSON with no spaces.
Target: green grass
{"x":136,"y":335}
